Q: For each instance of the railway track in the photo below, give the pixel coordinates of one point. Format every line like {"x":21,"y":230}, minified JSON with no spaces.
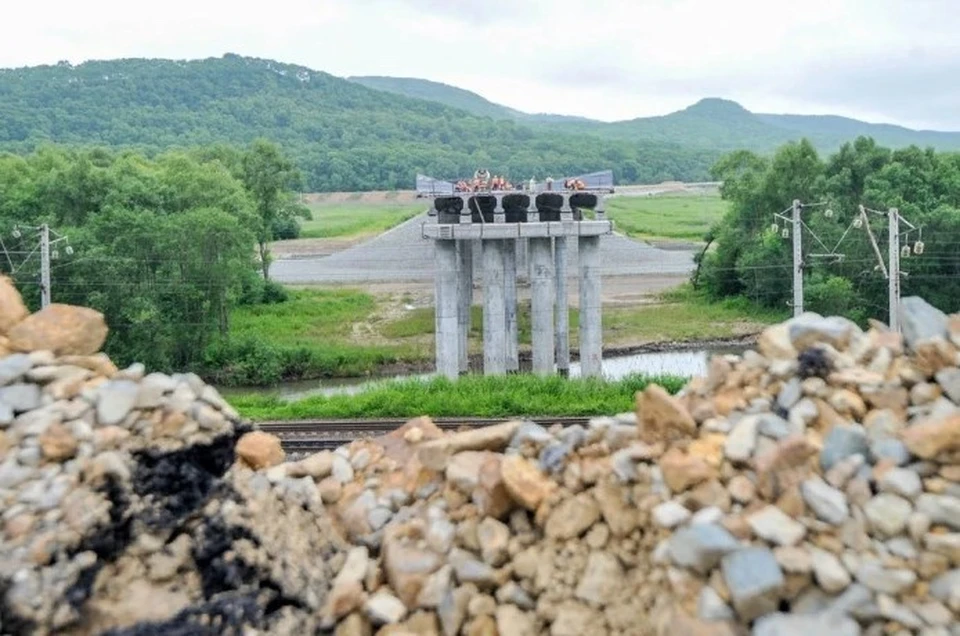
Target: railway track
{"x":311,"y":436}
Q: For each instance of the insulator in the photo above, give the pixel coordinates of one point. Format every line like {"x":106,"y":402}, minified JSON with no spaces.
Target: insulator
{"x":54,"y":254}
{"x":858,"y":223}
{"x":775,"y":228}
{"x":16,"y":232}
{"x":905,"y":251}
{"x":828,"y":213}
{"x":69,"y":250}
{"x":918,"y":248}
{"x":785,"y":233}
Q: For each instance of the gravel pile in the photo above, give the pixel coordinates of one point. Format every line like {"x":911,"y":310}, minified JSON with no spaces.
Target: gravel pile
{"x":122,"y":508}
{"x":814,"y":484}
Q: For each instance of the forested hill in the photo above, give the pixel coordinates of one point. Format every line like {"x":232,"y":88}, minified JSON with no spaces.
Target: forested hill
{"x":344,"y":136}
{"x":710,"y":123}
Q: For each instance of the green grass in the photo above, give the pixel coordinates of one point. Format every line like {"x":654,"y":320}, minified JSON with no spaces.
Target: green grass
{"x":683,"y":314}
{"x":306,"y":337}
{"x":669,"y":216}
{"x":355,"y":219}
{"x":474,"y":396}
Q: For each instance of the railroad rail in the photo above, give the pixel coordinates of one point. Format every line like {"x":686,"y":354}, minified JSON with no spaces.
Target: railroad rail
{"x":311,"y":436}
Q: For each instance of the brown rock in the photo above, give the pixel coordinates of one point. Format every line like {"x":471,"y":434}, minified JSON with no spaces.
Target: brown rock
{"x":524,"y":481}
{"x":19,"y":526}
{"x":482,"y":626}
{"x":572,"y":517}
{"x":742,"y":489}
{"x":932,"y":355}
{"x":709,"y":493}
{"x":512,"y":621}
{"x":318,"y":466}
{"x":401,"y":443}
{"x":681,"y":471}
{"x":619,"y":513}
{"x":63,"y":329}
{"x":260,"y":450}
{"x":709,"y":448}
{"x":675,"y":621}
{"x":12,"y":309}
{"x":355,"y":624}
{"x":662,"y":417}
{"x":407,"y":569}
{"x":434,"y":454}
{"x":105,"y":437}
{"x":330,"y":490}
{"x":933,"y":436}
{"x":784,"y":466}
{"x":729,"y":400}
{"x":57,"y":443}
{"x":99,"y":363}
{"x":491,"y":495}
{"x":463,"y":469}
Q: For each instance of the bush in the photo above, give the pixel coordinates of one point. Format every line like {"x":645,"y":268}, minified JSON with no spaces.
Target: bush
{"x":273,"y":293}
{"x":283,"y":229}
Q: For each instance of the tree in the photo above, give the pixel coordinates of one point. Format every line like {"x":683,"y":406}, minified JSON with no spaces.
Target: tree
{"x":268,"y":176}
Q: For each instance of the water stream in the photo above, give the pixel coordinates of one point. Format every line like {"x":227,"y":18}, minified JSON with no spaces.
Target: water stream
{"x":680,"y":363}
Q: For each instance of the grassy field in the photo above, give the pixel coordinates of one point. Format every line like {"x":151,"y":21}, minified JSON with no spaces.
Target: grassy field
{"x":476,"y":396}
{"x":312,"y":335}
{"x":350,"y":220}
{"x":668,"y":216}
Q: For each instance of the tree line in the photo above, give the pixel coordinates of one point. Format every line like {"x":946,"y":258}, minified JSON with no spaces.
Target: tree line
{"x":163,"y":246}
{"x":751,"y":251}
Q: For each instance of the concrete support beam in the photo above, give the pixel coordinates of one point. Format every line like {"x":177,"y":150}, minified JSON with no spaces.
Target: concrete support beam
{"x":566,"y":212}
{"x":601,"y":208}
{"x":466,"y":214}
{"x":446,"y":310}
{"x":562,"y":337}
{"x":542,"y":287}
{"x":591,"y":333}
{"x":464,"y":299}
{"x":499,"y":214}
{"x":494,"y":318}
{"x":510,"y":302}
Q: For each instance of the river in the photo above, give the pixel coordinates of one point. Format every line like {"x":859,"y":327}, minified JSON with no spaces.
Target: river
{"x":681,"y":363}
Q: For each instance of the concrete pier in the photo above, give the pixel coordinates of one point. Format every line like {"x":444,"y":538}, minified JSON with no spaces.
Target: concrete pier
{"x":562,"y":336}
{"x":446,"y":310}
{"x":472,"y":233}
{"x":464,"y":299}
{"x":494,"y":313}
{"x":541,"y":305}
{"x":591,"y":333}
{"x":510,"y":304}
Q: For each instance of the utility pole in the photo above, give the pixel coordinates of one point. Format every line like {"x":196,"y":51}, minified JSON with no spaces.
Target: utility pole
{"x":797,"y":260}
{"x":893,"y":218}
{"x":44,"y":265}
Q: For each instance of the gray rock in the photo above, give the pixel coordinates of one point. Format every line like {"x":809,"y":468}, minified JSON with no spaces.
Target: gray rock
{"x":341,"y":469}
{"x":13,"y":367}
{"x":885,"y":580}
{"x":828,"y":503}
{"x":775,"y":526}
{"x":888,"y":513}
{"x":902,"y":547}
{"x":790,"y":394}
{"x":710,"y":514}
{"x":855,"y":597}
{"x":893,"y":611}
{"x":6,"y":414}
{"x":843,"y":441}
{"x":670,"y":514}
{"x":378,"y":517}
{"x":384,"y":608}
{"x":946,"y":587}
{"x":806,"y":625}
{"x":742,"y":439}
{"x":21,"y":397}
{"x":901,"y":481}
{"x":890,"y":448}
{"x":115,"y":400}
{"x":809,"y":329}
{"x":471,"y":570}
{"x":530,"y":432}
{"x":701,"y":547}
{"x":552,"y":457}
{"x":13,"y":474}
{"x":812,"y":600}
{"x":804,"y":412}
{"x":933,"y":613}
{"x":573,"y":436}
{"x":773,"y":426}
{"x":436,"y":587}
{"x":624,"y":465}
{"x":828,"y":572}
{"x":941,"y":509}
{"x":919,"y":321}
{"x":755,"y":581}
{"x":710,"y":607}
{"x":511,"y":592}
{"x":948,"y":378}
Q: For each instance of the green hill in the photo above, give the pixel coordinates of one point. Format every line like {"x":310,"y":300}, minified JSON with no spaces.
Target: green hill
{"x":344,"y":136}
{"x":710,"y":123}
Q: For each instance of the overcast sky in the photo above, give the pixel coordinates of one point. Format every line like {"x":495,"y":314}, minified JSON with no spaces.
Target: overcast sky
{"x":894,"y":61}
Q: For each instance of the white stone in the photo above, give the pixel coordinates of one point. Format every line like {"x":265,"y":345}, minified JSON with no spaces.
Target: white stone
{"x":670,"y":514}
{"x":775,"y":526}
